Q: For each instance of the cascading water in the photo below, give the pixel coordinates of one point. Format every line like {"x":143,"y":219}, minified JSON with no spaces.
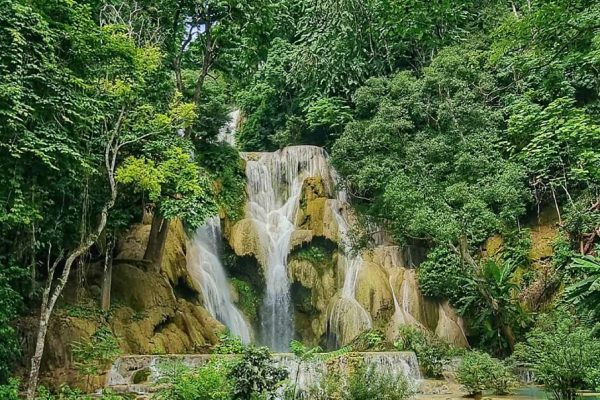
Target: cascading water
{"x":347,"y":318}
{"x":274,"y":187}
{"x":206,"y":269}
{"x":227,"y":131}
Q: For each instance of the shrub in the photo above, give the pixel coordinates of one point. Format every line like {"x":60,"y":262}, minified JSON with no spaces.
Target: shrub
{"x":313,"y":254}
{"x":351,"y":379}
{"x":10,"y":391}
{"x":432,"y":352}
{"x":248,"y":300}
{"x":210,"y":382}
{"x":67,"y":393}
{"x":441,"y":275}
{"x":256,"y":374}
{"x":229,"y":345}
{"x":502,"y":379}
{"x":478,"y":372}
{"x":367,"y":384}
{"x":562,"y":353}
{"x":371,"y":340}
{"x":96,"y":355}
{"x":10,"y":305}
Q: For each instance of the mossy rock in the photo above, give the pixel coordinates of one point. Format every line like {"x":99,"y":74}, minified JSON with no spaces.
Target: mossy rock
{"x":141,"y":376}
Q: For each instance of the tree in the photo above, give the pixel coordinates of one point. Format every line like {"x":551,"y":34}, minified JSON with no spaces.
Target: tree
{"x":255,"y":373}
{"x":425,"y":157}
{"x":99,"y":110}
{"x":93,"y":357}
{"x":584,"y":293}
{"x":562,"y":353}
{"x":178,"y":188}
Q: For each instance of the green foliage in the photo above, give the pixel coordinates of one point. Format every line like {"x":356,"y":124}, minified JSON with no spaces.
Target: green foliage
{"x":229,"y":345}
{"x":352,"y":379}
{"x":442,"y":275}
{"x":432,"y":352}
{"x":584,"y":293}
{"x":67,"y":393}
{"x":371,"y":340}
{"x":484,"y":292}
{"x":302,"y":352}
{"x":226,"y":169}
{"x":368,"y":384}
{"x":182,"y":189}
{"x":10,"y":391}
{"x":478,"y":372}
{"x":256,"y":374}
{"x":313,"y":254}
{"x":562,"y":353}
{"x":10,"y":305}
{"x":95,"y":356}
{"x":428,"y":155}
{"x":248,"y":300}
{"x":209,"y":382}
{"x":86,"y":311}
{"x":491,"y":318}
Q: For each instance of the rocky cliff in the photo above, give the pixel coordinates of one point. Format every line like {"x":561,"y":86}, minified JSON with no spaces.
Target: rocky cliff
{"x":151,"y":312}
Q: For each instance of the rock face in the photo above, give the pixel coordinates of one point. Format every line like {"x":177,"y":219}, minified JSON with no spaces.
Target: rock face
{"x":386,"y":286}
{"x":151,"y":312}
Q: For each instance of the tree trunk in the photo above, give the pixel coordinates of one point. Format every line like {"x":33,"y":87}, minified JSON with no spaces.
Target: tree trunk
{"x":156,"y":241}
{"x":508,"y":335}
{"x":51,"y":295}
{"x":36,"y":360}
{"x":49,"y":301}
{"x":107,"y":275}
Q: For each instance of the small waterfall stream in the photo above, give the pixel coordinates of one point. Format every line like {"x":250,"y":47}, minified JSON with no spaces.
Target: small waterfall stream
{"x":347,"y":318}
{"x":274,"y":187}
{"x":206,"y":269}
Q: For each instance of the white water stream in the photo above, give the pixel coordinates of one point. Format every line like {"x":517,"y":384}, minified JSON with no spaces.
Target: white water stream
{"x":206,"y":269}
{"x":347,"y":317}
{"x":274,"y":187}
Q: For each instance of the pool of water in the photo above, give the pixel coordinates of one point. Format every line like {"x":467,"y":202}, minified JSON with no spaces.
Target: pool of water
{"x":534,"y":392}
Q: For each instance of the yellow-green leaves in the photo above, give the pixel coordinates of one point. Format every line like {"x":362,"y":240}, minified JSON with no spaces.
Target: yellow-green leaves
{"x":142,"y":174}
{"x":177,"y":184}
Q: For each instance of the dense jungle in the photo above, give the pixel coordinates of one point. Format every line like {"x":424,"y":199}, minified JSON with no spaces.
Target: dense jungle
{"x":299,"y":199}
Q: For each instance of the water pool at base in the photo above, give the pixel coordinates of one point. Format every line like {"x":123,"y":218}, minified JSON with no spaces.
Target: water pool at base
{"x":536,"y":392}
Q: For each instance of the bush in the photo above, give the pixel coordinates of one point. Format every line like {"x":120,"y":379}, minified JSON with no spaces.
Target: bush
{"x":351,"y":379}
{"x":248,"y":300}
{"x":96,"y":355}
{"x":10,"y":391}
{"x":67,"y":393}
{"x":562,"y":353}
{"x":432,"y":352}
{"x":229,"y":345}
{"x":10,"y":305}
{"x":209,"y":382}
{"x":371,"y":340}
{"x":367,"y":384}
{"x":441,"y":275}
{"x":478,"y":372}
{"x":256,"y":374}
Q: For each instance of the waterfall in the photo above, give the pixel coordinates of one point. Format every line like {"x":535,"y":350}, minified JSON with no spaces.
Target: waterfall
{"x":227,"y":131}
{"x":274,"y":188}
{"x":347,"y":318}
{"x":206,"y":269}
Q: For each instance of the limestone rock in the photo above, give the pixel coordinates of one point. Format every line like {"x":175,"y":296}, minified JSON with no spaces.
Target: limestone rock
{"x":245,"y":240}
{"x":373,"y":291}
{"x":300,"y":237}
{"x":450,"y":326}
